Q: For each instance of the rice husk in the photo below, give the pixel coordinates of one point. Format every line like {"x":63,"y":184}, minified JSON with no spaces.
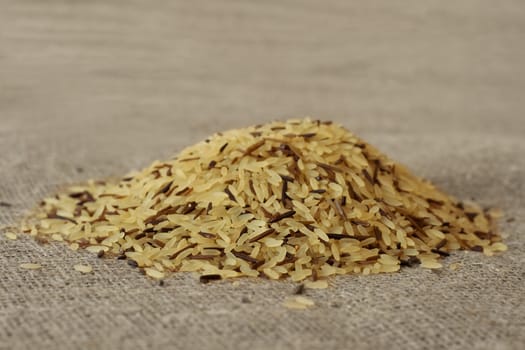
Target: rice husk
{"x":300,"y":199}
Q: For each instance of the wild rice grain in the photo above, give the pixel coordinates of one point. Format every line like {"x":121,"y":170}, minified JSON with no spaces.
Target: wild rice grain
{"x":282,"y":216}
{"x":209,"y":278}
{"x":262,"y":235}
{"x":440,"y":252}
{"x":299,"y":290}
{"x":477,"y":248}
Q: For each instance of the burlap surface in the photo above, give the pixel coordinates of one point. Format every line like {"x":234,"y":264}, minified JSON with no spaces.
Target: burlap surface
{"x":93,"y":89}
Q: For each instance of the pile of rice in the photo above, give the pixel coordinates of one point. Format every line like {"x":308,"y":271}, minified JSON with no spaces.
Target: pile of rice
{"x":301,"y":199}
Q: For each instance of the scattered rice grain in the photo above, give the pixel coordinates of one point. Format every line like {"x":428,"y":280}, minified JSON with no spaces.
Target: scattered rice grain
{"x":11,"y":236}
{"x":30,"y":266}
{"x":83,"y":268}
{"x":298,"y":302}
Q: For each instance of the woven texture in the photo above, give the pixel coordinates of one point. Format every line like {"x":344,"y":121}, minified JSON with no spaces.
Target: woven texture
{"x":94,"y":89}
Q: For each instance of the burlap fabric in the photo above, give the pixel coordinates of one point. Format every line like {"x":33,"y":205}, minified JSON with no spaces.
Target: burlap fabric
{"x":93,"y":89}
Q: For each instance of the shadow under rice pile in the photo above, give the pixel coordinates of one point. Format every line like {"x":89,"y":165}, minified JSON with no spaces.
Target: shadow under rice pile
{"x":301,"y":199}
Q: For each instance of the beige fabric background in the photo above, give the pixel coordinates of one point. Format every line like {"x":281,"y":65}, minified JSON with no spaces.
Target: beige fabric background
{"x":96,"y":88}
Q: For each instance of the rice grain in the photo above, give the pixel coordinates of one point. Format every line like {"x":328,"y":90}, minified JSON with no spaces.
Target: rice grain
{"x":299,"y":199}
{"x":11,"y":236}
{"x":298,"y":302}
{"x":83,"y":268}
{"x":30,"y":266}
